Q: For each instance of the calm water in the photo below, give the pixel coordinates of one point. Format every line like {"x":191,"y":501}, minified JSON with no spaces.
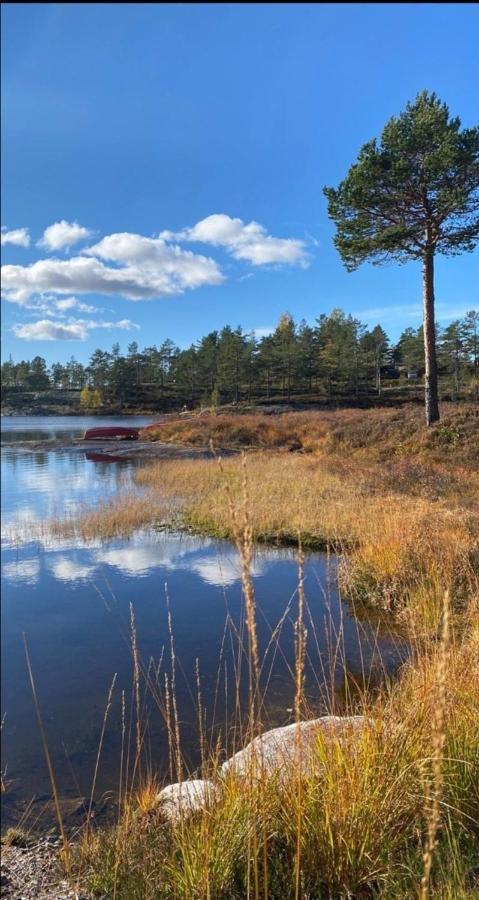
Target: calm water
{"x":72,"y":601}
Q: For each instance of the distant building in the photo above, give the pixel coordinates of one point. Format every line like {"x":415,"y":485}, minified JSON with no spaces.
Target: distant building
{"x":390,"y":372}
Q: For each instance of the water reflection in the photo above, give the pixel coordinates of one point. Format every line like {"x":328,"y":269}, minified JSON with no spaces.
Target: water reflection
{"x":72,"y":600}
{"x":37,"y":487}
{"x":17,"y":429}
{"x":65,"y":569}
{"x":147,"y":550}
{"x":26,"y":571}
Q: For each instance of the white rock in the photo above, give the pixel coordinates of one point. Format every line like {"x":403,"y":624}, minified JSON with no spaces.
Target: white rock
{"x":279,"y":747}
{"x":186,"y":797}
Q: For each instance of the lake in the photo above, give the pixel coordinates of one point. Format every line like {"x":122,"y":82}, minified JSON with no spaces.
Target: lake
{"x":71,"y":599}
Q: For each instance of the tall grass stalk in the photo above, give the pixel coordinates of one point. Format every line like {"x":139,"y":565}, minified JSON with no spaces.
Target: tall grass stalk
{"x":100,"y":747}
{"x":438,"y":738}
{"x":201,"y":732}
{"x":65,"y":844}
{"x":300,"y":652}
{"x":136,"y":683}
{"x":174,"y":699}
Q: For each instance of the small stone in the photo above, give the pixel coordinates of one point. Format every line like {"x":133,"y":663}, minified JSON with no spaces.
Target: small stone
{"x":186,"y":797}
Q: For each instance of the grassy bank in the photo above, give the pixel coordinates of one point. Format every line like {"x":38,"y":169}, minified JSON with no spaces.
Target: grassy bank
{"x":391,"y":812}
{"x":400,"y":501}
{"x":401,"y":550}
{"x":372,"y":434}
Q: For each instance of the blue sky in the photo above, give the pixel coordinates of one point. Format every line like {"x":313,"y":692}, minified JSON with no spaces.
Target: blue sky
{"x":180,"y":151}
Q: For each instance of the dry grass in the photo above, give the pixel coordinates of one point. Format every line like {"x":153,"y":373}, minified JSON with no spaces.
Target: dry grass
{"x":405,"y":511}
{"x":14,"y":837}
{"x":403,"y":551}
{"x":368,"y":434}
{"x":405,"y":497}
{"x":117,"y":517}
{"x":354,"y":826}
{"x":390,"y":813}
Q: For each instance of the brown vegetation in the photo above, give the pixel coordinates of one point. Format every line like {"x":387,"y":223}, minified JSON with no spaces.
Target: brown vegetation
{"x":392,"y":814}
{"x":406,"y":512}
{"x":118,"y":517}
{"x":372,"y":434}
{"x":405,"y":509}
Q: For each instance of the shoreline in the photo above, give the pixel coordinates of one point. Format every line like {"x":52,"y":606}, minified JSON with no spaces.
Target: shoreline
{"x":118,"y":449}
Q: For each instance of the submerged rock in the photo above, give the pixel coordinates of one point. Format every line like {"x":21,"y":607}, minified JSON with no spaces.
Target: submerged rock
{"x":186,"y":797}
{"x":279,"y":747}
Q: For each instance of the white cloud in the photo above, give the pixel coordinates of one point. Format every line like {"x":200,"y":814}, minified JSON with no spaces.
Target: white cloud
{"x":18,"y":236}
{"x":46,"y":330}
{"x":249,"y":242}
{"x":51,"y":305}
{"x":141,"y":268}
{"x":263,"y":332}
{"x":164,"y":271}
{"x":25,"y":571}
{"x":65,"y":569}
{"x":73,"y":330}
{"x":72,"y":303}
{"x":172,"y":268}
{"x":123,"y":324}
{"x":62,"y":235}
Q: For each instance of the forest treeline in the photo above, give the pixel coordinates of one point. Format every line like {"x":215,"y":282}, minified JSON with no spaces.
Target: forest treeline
{"x":337,"y":357}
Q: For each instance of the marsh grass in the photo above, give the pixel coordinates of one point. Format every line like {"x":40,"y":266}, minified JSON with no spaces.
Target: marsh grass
{"x":399,"y":552}
{"x":399,"y":502}
{"x":117,"y":517}
{"x":389,"y":811}
{"x":370,"y":818}
{"x":380,"y":434}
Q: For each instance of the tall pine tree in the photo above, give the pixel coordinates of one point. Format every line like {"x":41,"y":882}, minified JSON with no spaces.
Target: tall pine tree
{"x":411,"y":195}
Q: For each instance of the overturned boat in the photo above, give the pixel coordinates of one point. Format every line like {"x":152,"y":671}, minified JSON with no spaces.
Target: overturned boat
{"x":112,"y":432}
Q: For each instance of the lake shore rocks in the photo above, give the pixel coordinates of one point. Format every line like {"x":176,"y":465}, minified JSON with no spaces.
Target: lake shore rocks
{"x":186,"y":797}
{"x":279,"y":747}
{"x":33,"y":872}
{"x":270,"y":752}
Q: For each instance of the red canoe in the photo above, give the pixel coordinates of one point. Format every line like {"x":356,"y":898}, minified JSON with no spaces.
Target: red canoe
{"x":115,"y":431}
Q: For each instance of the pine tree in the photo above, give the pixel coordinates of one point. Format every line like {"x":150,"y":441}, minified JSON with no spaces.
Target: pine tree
{"x":452,"y":353}
{"x":471,"y":337}
{"x":410,"y":196}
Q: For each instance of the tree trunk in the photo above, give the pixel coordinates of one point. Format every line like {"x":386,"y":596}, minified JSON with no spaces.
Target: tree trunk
{"x":431,"y":393}
{"x":456,"y":377}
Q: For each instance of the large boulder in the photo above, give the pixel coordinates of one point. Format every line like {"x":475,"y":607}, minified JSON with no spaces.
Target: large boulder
{"x":186,"y":797}
{"x":277,"y":749}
